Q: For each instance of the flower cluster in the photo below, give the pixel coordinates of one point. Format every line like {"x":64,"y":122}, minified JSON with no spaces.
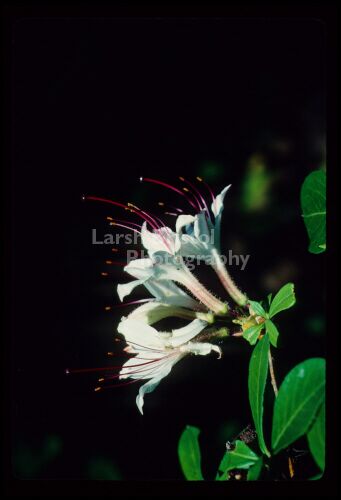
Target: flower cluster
{"x":175,"y":290}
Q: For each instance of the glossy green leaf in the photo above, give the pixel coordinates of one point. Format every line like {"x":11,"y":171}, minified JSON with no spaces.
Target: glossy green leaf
{"x":258,"y":308}
{"x":252,"y":333}
{"x":241,"y":457}
{"x":313,"y":202}
{"x":272,"y":331}
{"x":258,"y":372}
{"x":284,"y":299}
{"x":189,"y":454}
{"x":317,"y":437}
{"x":255,"y":470}
{"x":298,"y":401}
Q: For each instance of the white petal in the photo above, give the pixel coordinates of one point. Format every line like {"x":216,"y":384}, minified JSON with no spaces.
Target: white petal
{"x":142,"y":366}
{"x":140,"y":268}
{"x":183,"y":220}
{"x":125,"y":289}
{"x":183,"y":335}
{"x":191,"y":246}
{"x":164,"y":240}
{"x":148,"y":312}
{"x":218,"y":204}
{"x":201,"y":227}
{"x":169,"y":293}
{"x":154,"y":311}
{"x":201,"y":348}
{"x":154,"y":382}
{"x":145,"y":336}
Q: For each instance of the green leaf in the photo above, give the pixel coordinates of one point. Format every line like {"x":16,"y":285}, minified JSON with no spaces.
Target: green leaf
{"x":272,"y":331}
{"x":258,"y":372}
{"x":252,"y":333}
{"x":189,"y":454}
{"x":258,"y":308}
{"x":298,"y":400}
{"x":317,"y":437}
{"x":255,"y":470}
{"x":269,"y":299}
{"x":313,"y":202}
{"x":242,"y":457}
{"x":284,"y":299}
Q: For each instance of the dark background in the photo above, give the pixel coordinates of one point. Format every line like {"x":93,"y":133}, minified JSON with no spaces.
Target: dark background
{"x":96,"y":103}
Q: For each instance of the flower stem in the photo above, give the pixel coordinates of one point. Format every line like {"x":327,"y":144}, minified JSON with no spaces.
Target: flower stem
{"x":272,"y":374}
{"x":275,"y":388}
{"x":226,"y":279}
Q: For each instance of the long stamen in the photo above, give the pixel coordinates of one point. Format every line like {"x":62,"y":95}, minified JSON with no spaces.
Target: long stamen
{"x":145,"y":348}
{"x":148,"y":218}
{"x":125,"y":227}
{"x":161,"y":204}
{"x":110,"y":219}
{"x":197,"y":201}
{"x":154,"y":223}
{"x":114,"y":386}
{"x":105,"y":368}
{"x":140,"y":301}
{"x":202,"y":199}
{"x":118,"y":204}
{"x":169,"y":186}
{"x":207,"y":186}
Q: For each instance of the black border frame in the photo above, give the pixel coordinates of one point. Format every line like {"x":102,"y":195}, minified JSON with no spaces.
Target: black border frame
{"x":326,"y":12}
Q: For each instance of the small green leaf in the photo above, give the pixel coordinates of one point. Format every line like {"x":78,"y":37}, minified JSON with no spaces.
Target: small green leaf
{"x":189,"y":454}
{"x":317,"y":437}
{"x":313,"y":202}
{"x":284,"y":299}
{"x":298,"y":400}
{"x":255,"y":470}
{"x":257,"y":308}
{"x":258,"y":372}
{"x":269,"y":299}
{"x":252,"y":333}
{"x":272,"y":331}
{"x":242,"y":457}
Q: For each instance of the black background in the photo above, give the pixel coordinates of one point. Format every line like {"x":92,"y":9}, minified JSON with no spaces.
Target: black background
{"x":96,"y":103}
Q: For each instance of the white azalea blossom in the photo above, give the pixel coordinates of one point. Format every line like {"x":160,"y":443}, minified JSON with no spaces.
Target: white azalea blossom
{"x":175,"y":291}
{"x":170,"y":269}
{"x":195,"y":236}
{"x":157,"y":352}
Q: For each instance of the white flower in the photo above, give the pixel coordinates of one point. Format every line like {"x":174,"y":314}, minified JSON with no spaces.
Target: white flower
{"x":202,"y":234}
{"x":157,"y":352}
{"x":163,"y":290}
{"x":169,"y":269}
{"x":166,"y":277}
